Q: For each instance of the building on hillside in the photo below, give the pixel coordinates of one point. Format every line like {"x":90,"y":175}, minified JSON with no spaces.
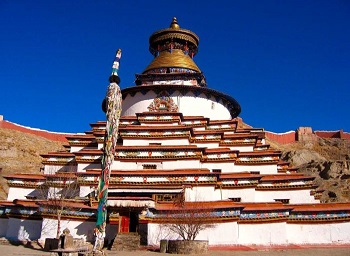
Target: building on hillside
{"x":181,"y":147}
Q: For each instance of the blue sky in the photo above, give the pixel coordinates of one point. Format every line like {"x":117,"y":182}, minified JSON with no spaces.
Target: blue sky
{"x":286,"y":62}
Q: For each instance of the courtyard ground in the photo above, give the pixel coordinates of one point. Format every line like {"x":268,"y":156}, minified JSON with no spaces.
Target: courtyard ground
{"x":343,"y":250}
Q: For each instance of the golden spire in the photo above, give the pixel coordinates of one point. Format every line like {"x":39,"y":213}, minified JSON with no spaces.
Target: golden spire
{"x":174,"y":24}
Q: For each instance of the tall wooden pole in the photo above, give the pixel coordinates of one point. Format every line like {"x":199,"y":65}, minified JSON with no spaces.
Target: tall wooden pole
{"x":113,"y":107}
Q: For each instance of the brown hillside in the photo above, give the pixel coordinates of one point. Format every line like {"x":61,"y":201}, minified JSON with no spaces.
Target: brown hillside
{"x":326,"y":159}
{"x":20,"y":153}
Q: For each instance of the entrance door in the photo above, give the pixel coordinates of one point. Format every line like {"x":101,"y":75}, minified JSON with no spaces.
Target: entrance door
{"x":124,"y":222}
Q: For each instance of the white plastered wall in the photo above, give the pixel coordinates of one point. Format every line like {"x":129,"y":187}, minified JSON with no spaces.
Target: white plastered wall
{"x":4,"y":226}
{"x":201,"y":193}
{"x":294,"y":196}
{"x":19,"y":193}
{"x":23,"y":229}
{"x":220,"y":234}
{"x":189,"y":105}
{"x":82,"y":167}
{"x":78,"y":228}
{"x":182,"y":164}
{"x":52,"y":169}
{"x":246,"y":194}
{"x":224,"y":166}
{"x":319,"y":233}
{"x":242,"y":148}
{"x":263,"y":169}
{"x":262,"y":233}
{"x":164,"y":142}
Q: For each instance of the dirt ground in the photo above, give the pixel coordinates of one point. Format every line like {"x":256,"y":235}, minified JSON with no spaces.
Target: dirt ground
{"x":7,"y":250}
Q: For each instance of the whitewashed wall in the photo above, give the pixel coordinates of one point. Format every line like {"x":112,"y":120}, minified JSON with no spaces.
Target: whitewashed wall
{"x":82,"y":167}
{"x":231,"y":233}
{"x":75,"y":148}
{"x":189,"y":105}
{"x":208,"y":145}
{"x":85,"y":190}
{"x":242,"y":148}
{"x":52,"y":169}
{"x":201,"y":193}
{"x":221,"y":234}
{"x":262,"y":233}
{"x":23,"y":229}
{"x":246,"y":194}
{"x":181,"y":164}
{"x":164,"y":142}
{"x":78,"y":229}
{"x":224,"y":166}
{"x":294,"y":196}
{"x":19,"y":193}
{"x":3,"y":226}
{"x":319,"y":233}
{"x":263,"y":169}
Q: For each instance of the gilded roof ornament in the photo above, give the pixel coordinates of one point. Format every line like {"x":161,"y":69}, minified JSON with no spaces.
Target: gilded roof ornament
{"x":174,"y":24}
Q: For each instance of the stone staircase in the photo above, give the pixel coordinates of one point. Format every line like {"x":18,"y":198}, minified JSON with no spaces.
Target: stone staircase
{"x":126,"y":242}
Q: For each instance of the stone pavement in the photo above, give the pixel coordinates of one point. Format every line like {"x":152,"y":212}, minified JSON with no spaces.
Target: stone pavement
{"x":344,"y":250}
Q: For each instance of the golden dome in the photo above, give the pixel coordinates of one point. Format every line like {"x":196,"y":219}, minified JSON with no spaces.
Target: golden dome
{"x":174,"y":59}
{"x":175,"y":34}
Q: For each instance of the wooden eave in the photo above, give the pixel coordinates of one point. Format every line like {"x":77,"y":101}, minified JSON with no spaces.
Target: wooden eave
{"x":204,"y":205}
{"x":281,"y":162}
{"x":80,"y":137}
{"x":285,"y":177}
{"x":57,"y":154}
{"x":159,"y":148}
{"x":82,"y":204}
{"x":62,"y":175}
{"x":160,"y":113}
{"x":260,"y":145}
{"x":24,"y":176}
{"x":320,"y":207}
{"x":195,"y":118}
{"x":145,"y":185}
{"x":127,"y":118}
{"x":26,"y":203}
{"x":151,"y":172}
{"x":88,"y":152}
{"x":222,"y":122}
{"x":4,"y":203}
{"x":268,"y":206}
{"x":241,"y":175}
{"x":207,"y":132}
{"x":99,"y":133}
{"x":151,"y":128}
{"x":260,"y":153}
{"x":220,"y":150}
{"x":240,"y":136}
{"x":134,"y":198}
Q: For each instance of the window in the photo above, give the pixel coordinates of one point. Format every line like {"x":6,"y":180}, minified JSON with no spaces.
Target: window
{"x":149,"y":166}
{"x":165,"y":197}
{"x":284,"y":201}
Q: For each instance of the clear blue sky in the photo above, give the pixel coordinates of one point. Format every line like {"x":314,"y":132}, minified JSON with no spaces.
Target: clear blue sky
{"x":286,"y":62}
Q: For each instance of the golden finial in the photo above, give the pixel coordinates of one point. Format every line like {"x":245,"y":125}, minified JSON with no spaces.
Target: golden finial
{"x":174,"y":24}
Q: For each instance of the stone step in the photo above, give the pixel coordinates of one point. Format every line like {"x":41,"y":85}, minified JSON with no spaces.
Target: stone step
{"x":126,"y":242}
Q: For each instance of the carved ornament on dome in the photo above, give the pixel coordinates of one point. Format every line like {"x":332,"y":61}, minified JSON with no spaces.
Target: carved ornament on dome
{"x":163,"y":102}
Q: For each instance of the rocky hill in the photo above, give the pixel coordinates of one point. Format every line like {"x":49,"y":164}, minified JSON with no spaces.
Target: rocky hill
{"x":20,"y":153}
{"x":326,"y":159}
